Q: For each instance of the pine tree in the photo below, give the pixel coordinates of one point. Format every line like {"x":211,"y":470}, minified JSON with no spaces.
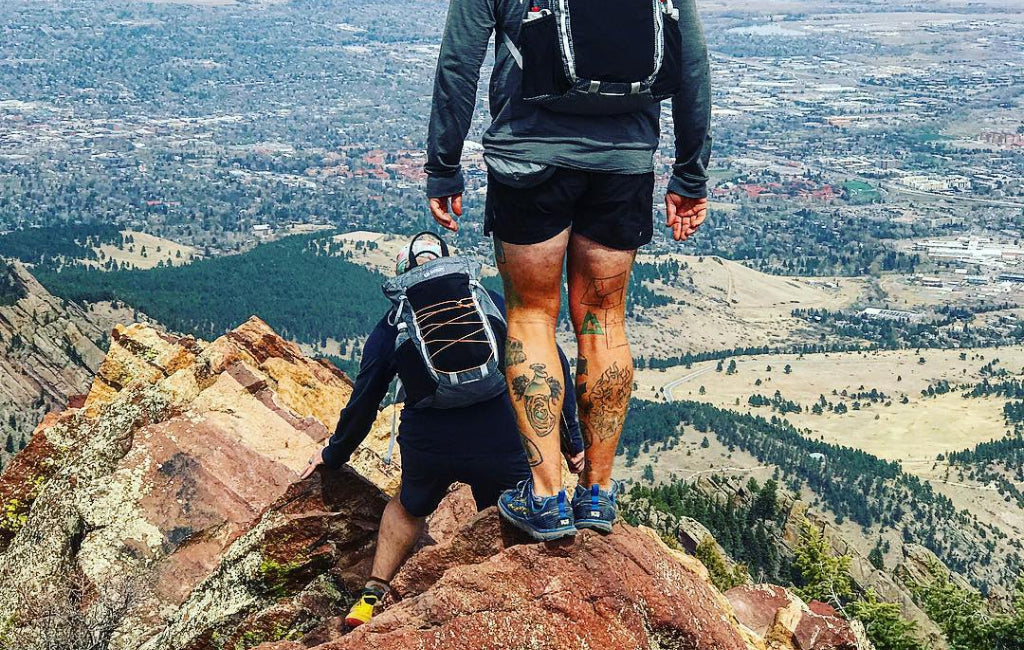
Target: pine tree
{"x":884,"y":623}
{"x":824,"y":576}
{"x":721,"y":575}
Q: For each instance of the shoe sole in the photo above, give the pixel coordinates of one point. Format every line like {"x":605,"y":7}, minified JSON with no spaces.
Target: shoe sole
{"x":355,"y":622}
{"x":594,"y":524}
{"x":536,"y":535}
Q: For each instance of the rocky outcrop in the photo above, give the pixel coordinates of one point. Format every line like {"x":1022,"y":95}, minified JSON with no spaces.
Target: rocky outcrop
{"x":180,"y":470}
{"x":182,"y":453}
{"x":787,"y":623}
{"x":49,"y":351}
{"x":626,"y":590}
{"x":863,"y":574}
{"x":920,"y":567}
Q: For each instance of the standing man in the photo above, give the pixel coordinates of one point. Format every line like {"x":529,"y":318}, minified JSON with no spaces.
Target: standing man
{"x":575,"y":111}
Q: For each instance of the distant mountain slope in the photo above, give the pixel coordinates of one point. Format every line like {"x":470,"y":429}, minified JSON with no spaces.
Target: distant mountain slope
{"x":717,"y":304}
{"x":306,"y":293}
{"x":49,"y":350}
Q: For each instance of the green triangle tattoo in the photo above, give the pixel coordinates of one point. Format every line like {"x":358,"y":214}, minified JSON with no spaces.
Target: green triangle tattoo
{"x":591,"y":325}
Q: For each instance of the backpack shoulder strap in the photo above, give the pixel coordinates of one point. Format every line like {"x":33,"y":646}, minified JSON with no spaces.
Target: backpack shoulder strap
{"x":517,"y":56}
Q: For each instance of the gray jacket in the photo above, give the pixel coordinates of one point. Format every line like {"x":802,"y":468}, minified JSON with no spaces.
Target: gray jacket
{"x":622,"y":143}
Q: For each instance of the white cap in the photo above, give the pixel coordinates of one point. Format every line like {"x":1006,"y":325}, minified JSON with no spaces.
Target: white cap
{"x":421,"y":250}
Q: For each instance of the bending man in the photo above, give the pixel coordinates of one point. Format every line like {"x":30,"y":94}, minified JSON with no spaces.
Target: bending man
{"x":477,"y":444}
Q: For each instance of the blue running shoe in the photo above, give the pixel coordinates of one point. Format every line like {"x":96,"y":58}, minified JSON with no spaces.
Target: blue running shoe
{"x":595,"y":508}
{"x":542,"y":518}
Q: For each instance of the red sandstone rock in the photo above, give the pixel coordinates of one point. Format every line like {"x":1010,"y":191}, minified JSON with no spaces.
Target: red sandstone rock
{"x":183,"y":461}
{"x":625,"y":590}
{"x":823,"y":609}
{"x":816,"y":632}
{"x":785,"y":622}
{"x":454,"y":511}
{"x":756,"y":606}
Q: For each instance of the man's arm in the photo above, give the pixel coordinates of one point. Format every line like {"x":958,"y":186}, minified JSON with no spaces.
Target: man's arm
{"x":376,"y":370}
{"x":463,"y":48}
{"x":686,"y":200}
{"x":691,"y":109}
{"x":572,"y":439}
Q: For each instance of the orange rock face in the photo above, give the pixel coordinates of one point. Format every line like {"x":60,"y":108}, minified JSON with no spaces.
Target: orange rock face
{"x":787,"y":623}
{"x":178,"y":451}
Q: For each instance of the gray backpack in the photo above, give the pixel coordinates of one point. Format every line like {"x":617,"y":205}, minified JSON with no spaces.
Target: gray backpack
{"x":446,"y":348}
{"x":598,"y":57}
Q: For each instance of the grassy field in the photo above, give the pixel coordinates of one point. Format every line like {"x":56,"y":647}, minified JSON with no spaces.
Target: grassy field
{"x":157,"y":249}
{"x":920,"y":429}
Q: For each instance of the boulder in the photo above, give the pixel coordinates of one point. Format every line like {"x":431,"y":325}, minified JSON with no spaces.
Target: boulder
{"x":625,"y":590}
{"x":785,"y":622}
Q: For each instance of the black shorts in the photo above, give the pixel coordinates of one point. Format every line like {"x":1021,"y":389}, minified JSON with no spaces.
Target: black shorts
{"x":615,"y":210}
{"x":426,"y":477}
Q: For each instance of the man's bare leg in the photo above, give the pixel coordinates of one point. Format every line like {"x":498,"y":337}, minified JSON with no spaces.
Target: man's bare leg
{"x":532,"y":276}
{"x":398,"y":533}
{"x":598,"y":280}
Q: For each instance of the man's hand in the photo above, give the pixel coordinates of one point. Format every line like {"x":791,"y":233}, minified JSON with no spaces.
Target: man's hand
{"x":316,"y":460}
{"x":439,"y":208}
{"x":685,"y":215}
{"x":575,"y":463}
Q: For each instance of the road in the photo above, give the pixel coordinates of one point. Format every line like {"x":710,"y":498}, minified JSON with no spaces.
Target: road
{"x":671,"y":386}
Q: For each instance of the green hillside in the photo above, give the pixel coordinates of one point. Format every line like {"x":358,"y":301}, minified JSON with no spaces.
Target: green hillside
{"x":301,"y":292}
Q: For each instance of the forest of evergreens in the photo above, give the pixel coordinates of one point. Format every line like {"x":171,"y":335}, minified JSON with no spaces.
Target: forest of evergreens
{"x":52,"y":246}
{"x":301,"y":293}
{"x":11,"y":290}
{"x":749,"y":534}
{"x":853,"y":484}
{"x":950,"y":329}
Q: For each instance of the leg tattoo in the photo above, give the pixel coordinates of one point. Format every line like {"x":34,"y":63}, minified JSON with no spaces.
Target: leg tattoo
{"x":514,"y":354}
{"x":581,"y":391}
{"x":539,"y":395}
{"x":605,"y":296}
{"x":533,"y":455}
{"x":603,"y":407}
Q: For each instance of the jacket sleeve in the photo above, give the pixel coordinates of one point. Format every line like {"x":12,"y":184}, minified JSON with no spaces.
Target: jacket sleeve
{"x":691,"y":109}
{"x":376,"y":370}
{"x":572,"y":439}
{"x":463,"y":48}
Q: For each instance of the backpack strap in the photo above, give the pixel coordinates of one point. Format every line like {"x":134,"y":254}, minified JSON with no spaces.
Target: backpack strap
{"x":517,"y":56}
{"x":394,"y":422}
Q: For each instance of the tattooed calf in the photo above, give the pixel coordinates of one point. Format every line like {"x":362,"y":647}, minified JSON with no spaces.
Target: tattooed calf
{"x":533,"y":455}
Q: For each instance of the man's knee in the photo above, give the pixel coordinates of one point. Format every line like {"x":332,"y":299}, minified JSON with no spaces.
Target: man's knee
{"x":541,"y":319}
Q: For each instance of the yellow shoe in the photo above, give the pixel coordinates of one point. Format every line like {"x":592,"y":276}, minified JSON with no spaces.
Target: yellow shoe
{"x":362,"y":610}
